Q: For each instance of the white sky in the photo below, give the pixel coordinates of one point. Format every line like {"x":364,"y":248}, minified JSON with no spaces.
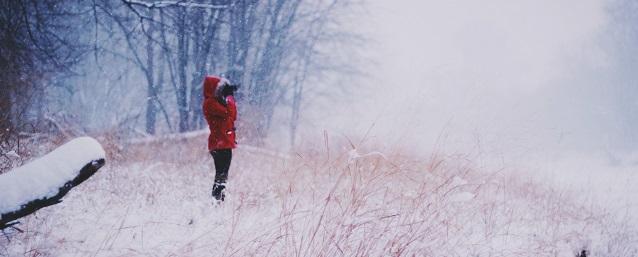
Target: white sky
{"x":511,"y":74}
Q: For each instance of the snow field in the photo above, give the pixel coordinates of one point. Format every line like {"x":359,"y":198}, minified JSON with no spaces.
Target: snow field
{"x":155,"y":202}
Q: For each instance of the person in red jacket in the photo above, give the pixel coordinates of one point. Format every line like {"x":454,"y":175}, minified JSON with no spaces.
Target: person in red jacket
{"x":220,"y":111}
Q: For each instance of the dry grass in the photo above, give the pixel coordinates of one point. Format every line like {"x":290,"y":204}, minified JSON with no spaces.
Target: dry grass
{"x":152,"y":200}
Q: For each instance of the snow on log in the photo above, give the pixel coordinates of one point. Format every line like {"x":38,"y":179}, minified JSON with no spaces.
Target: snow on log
{"x":44,"y":181}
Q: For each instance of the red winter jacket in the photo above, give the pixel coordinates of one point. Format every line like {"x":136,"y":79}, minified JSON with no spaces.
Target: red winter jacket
{"x":220,"y":117}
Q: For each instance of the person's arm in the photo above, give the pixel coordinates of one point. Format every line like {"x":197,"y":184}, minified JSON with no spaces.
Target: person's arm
{"x":214,"y":109}
{"x":232,"y":107}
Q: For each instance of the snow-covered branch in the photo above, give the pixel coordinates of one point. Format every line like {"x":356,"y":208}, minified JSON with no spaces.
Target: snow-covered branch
{"x":163,"y":4}
{"x":43,"y":182}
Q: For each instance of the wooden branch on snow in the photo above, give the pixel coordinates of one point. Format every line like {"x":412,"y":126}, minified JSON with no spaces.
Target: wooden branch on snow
{"x":26,"y":209}
{"x":44,"y":181}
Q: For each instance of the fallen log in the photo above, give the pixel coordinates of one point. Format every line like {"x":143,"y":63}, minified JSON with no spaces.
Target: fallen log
{"x":44,"y":181}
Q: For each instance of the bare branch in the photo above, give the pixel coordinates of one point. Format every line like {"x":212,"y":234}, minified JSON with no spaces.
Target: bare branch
{"x":183,"y":3}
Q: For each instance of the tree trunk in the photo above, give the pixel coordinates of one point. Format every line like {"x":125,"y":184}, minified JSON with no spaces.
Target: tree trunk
{"x":182,"y":87}
{"x":241,"y":22}
{"x":158,"y":89}
{"x":5,"y":109}
{"x":151,"y":96}
{"x":295,"y":111}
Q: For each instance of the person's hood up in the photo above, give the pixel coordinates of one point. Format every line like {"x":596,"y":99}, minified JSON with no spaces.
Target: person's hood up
{"x":210,"y":85}
{"x":213,"y":86}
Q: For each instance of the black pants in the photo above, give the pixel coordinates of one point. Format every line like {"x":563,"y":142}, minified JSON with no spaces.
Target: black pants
{"x":222,"y":160}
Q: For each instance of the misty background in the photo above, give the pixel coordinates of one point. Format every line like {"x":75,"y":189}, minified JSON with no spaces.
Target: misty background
{"x":410,"y":127}
{"x":499,"y":77}
{"x":507,"y":78}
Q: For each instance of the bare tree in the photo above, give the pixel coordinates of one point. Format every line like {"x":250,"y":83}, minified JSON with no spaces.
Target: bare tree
{"x":207,"y":24}
{"x":272,"y":47}
{"x":37,"y":40}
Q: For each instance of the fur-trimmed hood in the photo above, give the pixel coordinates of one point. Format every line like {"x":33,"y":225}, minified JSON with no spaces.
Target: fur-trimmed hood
{"x":210,"y":86}
{"x":213,"y":86}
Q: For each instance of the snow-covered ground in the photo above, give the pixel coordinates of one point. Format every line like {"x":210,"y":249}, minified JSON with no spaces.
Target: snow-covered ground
{"x":596,"y":179}
{"x":153,"y":200}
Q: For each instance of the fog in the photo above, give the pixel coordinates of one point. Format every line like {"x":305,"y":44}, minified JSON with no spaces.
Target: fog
{"x":479,"y":128}
{"x":512,"y":78}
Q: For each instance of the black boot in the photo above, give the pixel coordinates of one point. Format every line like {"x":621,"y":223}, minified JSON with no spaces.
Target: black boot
{"x":218,"y":191}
